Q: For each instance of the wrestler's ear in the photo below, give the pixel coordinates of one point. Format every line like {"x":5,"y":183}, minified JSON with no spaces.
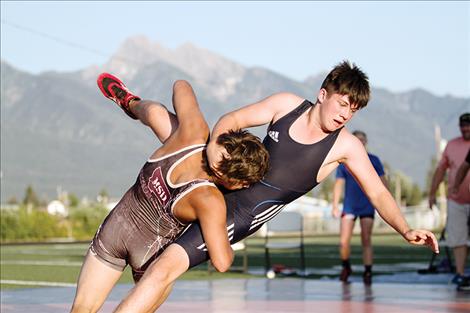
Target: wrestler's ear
{"x":226,"y":155}
{"x":322,"y":95}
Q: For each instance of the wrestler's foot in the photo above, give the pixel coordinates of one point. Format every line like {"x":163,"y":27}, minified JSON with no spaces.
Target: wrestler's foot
{"x":114,"y":89}
{"x":367,"y":278}
{"x":464,"y":284}
{"x":345,"y":274}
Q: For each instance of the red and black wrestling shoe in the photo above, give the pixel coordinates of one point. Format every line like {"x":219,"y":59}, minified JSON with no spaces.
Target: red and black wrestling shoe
{"x":114,"y":89}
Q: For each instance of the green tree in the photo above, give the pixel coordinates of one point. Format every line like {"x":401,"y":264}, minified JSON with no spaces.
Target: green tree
{"x":416,"y":195}
{"x":403,"y":187}
{"x":30,"y":197}
{"x":73,"y":200}
{"x":35,"y":225}
{"x":9,"y":224}
{"x":86,"y":220}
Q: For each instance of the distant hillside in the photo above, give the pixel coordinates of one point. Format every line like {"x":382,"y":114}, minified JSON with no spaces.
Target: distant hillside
{"x":57,"y":129}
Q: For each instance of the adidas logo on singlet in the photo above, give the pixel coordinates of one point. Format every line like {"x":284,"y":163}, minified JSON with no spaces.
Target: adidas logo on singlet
{"x":274,"y":135}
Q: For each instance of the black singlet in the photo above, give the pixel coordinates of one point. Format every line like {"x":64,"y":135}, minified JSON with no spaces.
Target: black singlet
{"x":293,"y":171}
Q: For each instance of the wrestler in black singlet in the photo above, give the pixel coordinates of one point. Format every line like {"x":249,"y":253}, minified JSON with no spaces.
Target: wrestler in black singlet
{"x":293,"y":172}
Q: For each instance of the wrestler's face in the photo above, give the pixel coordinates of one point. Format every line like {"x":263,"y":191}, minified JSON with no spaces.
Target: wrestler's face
{"x":335,"y":110}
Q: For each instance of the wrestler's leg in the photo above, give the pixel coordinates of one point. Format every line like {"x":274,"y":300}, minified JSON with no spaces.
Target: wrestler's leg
{"x":155,"y":285}
{"x":94,"y":284}
{"x":164,"y":296}
{"x":346,"y":229}
{"x":367,"y":255}
{"x":151,"y":113}
{"x":366,"y":239}
{"x":155,"y":115}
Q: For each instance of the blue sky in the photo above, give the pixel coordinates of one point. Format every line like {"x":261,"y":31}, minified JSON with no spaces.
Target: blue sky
{"x":401,"y":45}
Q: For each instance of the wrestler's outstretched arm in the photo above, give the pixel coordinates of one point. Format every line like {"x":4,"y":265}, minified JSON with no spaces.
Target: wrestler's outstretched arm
{"x":262,"y":112}
{"x":356,"y":159}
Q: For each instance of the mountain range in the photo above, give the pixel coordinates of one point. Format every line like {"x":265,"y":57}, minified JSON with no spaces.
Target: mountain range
{"x":58,"y":130}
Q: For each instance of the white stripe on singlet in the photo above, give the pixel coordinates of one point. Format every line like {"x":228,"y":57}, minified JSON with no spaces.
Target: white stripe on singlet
{"x":269,"y":214}
{"x":176,"y":152}
{"x":230,"y":231}
{"x":181,"y":195}
{"x":172,"y":167}
{"x":265,"y":212}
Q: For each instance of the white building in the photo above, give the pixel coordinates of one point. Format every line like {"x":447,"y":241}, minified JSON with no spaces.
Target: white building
{"x":56,"y":207}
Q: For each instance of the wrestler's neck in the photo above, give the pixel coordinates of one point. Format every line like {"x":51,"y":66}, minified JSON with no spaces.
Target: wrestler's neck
{"x":205,"y":171}
{"x":194,"y":167}
{"x":308,"y":127}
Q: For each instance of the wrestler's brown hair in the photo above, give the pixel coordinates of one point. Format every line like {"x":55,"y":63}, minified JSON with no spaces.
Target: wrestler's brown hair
{"x":348,"y":79}
{"x":248,"y":159}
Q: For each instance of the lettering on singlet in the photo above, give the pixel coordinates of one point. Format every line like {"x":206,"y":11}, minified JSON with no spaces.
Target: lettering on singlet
{"x":158,"y":188}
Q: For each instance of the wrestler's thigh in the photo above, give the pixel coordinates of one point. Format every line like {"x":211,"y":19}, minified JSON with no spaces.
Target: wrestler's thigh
{"x":95,"y":282}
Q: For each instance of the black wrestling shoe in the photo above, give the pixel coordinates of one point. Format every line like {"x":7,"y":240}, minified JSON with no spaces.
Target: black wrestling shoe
{"x":345,"y":272}
{"x":464,"y":284}
{"x":367,"y":278}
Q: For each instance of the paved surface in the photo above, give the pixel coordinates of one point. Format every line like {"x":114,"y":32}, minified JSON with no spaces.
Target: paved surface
{"x":263,"y":295}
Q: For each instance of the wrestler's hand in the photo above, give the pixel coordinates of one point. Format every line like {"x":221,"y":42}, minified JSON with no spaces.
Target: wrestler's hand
{"x":422,"y":238}
{"x":215,"y":153}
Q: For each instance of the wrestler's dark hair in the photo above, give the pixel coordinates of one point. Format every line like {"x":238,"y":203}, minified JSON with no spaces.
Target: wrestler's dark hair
{"x":359,"y":133}
{"x":348,"y":79}
{"x":248,"y":159}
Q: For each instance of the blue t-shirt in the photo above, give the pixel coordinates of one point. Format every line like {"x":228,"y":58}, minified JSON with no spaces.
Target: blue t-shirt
{"x":355,"y":201}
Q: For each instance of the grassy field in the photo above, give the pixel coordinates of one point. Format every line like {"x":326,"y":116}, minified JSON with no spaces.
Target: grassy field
{"x":61,"y":262}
